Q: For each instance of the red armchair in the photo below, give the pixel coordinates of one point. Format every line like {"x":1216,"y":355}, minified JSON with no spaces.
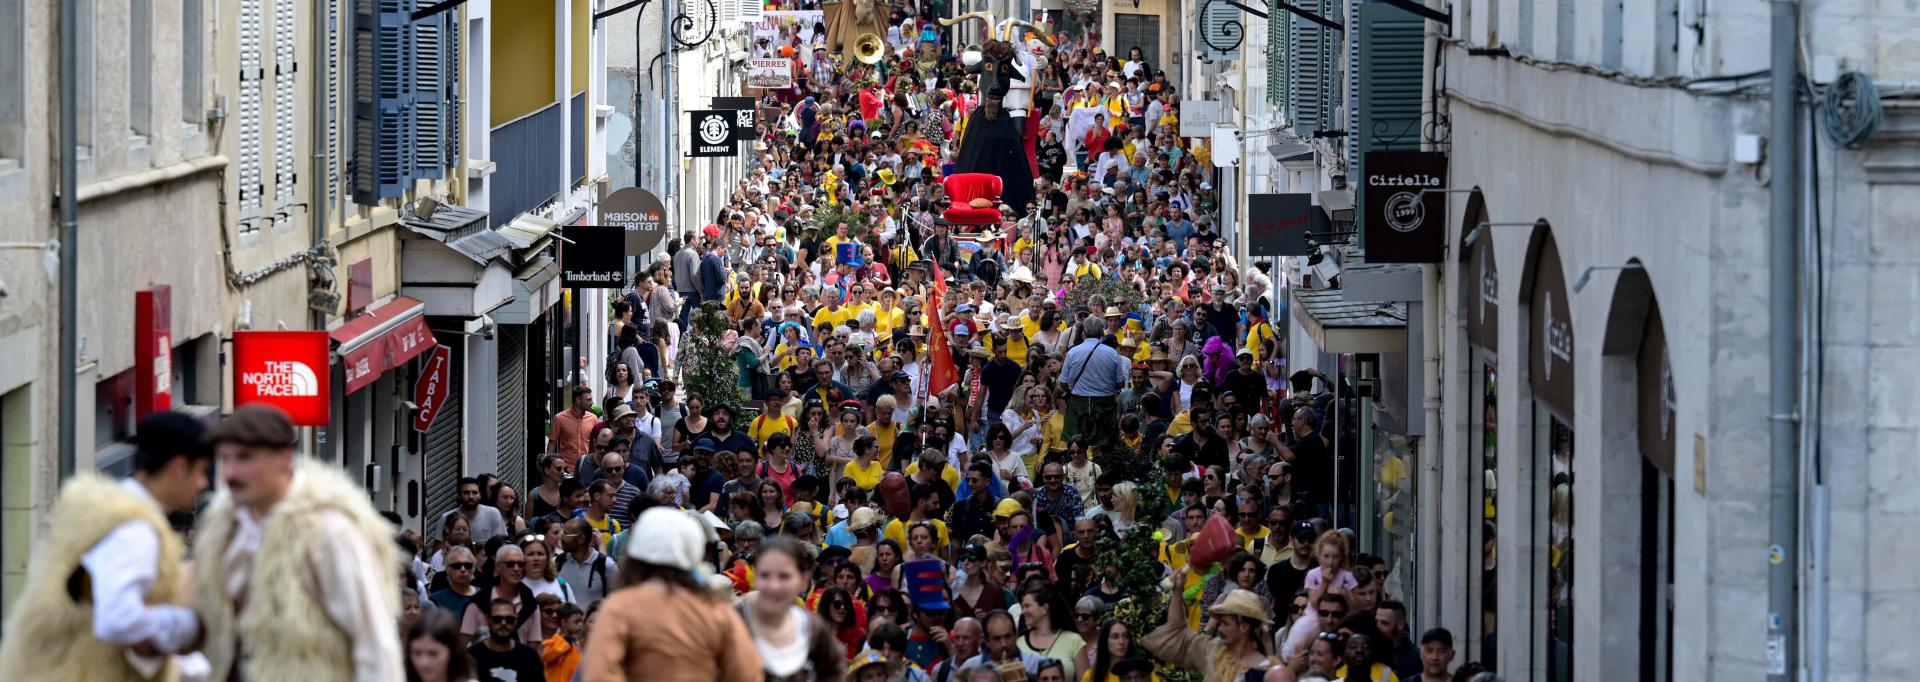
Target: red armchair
{"x":962,"y":189}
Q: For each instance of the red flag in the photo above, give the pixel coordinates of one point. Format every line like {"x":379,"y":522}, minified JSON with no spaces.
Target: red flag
{"x":943,"y":373}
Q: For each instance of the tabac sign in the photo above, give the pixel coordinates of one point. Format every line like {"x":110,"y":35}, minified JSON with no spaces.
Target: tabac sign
{"x":1402,"y":222}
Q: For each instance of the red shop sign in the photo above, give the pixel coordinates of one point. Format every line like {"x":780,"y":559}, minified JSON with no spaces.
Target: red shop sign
{"x":287,"y":370}
{"x":430,"y":392}
{"x":386,"y":337}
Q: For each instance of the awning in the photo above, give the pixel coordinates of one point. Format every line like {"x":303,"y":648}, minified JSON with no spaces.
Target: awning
{"x":536,"y":286}
{"x":381,"y":339}
{"x":1342,"y":326}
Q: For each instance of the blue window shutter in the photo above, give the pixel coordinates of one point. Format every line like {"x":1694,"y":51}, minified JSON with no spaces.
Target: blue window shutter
{"x":429,"y":97}
{"x":451,"y":96}
{"x":1391,"y":45}
{"x":382,"y":100}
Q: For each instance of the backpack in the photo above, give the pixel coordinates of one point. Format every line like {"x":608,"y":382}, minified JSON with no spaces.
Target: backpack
{"x":597,"y":569}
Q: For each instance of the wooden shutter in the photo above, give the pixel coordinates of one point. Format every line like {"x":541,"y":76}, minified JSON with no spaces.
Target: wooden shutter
{"x":451,"y":95}
{"x":286,"y":105}
{"x":382,"y":99}
{"x":1309,"y":70}
{"x":1222,"y":30}
{"x":429,"y":96}
{"x":1279,"y":39}
{"x":1391,"y":42}
{"x":249,"y":111}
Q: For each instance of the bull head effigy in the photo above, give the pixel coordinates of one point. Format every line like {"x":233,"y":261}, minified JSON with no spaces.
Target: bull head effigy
{"x":1005,"y":73}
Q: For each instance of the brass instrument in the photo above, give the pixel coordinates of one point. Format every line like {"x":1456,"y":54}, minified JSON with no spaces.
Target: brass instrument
{"x":869,"y":48}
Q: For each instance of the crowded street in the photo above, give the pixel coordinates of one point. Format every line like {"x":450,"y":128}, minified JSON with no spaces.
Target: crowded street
{"x":957,"y":341}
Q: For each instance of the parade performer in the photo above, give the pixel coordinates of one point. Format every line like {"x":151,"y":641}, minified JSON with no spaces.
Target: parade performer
{"x":102,"y":596}
{"x":294,"y":568}
{"x":996,"y":139}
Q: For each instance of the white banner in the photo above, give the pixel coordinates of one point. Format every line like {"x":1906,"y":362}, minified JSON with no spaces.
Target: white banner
{"x":770,"y":73}
{"x":780,"y":28}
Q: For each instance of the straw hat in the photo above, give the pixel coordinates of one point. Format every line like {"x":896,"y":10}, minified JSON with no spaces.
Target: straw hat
{"x":1242,"y":603}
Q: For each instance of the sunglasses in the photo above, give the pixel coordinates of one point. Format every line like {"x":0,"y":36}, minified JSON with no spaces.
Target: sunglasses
{"x":460,"y":566}
{"x":503,"y":619}
{"x":513,"y":564}
{"x":1086,"y":615}
{"x":1332,"y":614}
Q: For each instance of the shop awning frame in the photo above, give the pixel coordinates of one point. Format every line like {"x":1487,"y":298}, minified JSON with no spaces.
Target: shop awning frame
{"x":1341,"y":326}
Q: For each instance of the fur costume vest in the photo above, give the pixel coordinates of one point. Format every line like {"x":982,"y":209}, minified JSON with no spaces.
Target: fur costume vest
{"x":50,"y":635}
{"x":283,"y":627}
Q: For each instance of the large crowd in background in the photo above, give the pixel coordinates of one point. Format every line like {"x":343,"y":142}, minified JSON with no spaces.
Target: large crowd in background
{"x":912,"y":489}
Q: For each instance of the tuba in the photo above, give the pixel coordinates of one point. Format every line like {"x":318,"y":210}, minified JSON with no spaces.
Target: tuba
{"x":868,"y":47}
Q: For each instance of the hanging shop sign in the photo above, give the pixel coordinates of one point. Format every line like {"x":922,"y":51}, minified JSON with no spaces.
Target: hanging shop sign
{"x":1550,"y":355}
{"x":287,"y":370}
{"x":593,"y":256}
{"x":1401,"y":223}
{"x":640,"y":215}
{"x":1655,"y":369}
{"x":1480,"y":288}
{"x":713,"y":132}
{"x":1279,"y":224}
{"x":430,"y":390}
{"x":152,"y":350}
{"x":745,"y":112}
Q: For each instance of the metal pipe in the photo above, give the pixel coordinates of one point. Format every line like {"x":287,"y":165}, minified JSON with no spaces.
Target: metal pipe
{"x":318,"y":183}
{"x":1366,"y":491}
{"x":1782,"y":259}
{"x":1427,"y":457}
{"x":669,"y":102}
{"x":1813,"y":485}
{"x":69,"y":237}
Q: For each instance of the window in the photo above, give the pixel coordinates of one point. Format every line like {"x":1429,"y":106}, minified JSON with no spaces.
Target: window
{"x":286,"y":107}
{"x":1137,"y":30}
{"x":140,"y":70}
{"x":193,"y":46}
{"x":247,"y":115}
{"x":13,"y":80}
{"x":1559,"y":545}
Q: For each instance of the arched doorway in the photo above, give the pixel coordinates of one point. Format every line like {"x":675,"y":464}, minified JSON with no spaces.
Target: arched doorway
{"x":1480,"y":302}
{"x":1550,"y":376}
{"x":1639,"y":485}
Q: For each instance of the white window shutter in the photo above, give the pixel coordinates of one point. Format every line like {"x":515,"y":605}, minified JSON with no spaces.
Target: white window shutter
{"x":752,"y":11}
{"x":249,"y":111}
{"x":286,"y":106}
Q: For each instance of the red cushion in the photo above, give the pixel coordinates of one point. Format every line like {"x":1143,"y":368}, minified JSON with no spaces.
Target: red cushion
{"x":963,"y":215}
{"x":963,"y":187}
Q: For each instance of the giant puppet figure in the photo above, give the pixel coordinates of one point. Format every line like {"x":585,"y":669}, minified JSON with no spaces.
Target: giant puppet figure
{"x":998,"y":137}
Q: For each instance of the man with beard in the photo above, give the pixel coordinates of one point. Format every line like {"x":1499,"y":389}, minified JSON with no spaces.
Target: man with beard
{"x":294,"y":567}
{"x":483,"y":521}
{"x":1239,"y":620}
{"x":500,"y":657}
{"x":725,"y":439}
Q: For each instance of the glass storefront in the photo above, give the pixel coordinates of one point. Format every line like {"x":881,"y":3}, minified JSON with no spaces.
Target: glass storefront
{"x":1559,"y":551}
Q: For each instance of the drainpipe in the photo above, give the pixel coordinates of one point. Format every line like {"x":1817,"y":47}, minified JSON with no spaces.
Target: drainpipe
{"x":318,"y":184}
{"x":69,"y":237}
{"x":1427,"y":555}
{"x":669,"y":101}
{"x":1783,"y":255}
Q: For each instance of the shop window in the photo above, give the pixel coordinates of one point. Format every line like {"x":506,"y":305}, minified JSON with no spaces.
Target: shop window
{"x":1484,"y":506}
{"x":1559,"y":555}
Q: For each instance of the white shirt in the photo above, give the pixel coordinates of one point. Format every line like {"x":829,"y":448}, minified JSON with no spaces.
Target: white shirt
{"x":122,"y":567}
{"x":347,"y":576}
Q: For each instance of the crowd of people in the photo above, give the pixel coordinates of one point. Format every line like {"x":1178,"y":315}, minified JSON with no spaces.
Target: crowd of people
{"x":914,"y":489}
{"x":923,"y":477}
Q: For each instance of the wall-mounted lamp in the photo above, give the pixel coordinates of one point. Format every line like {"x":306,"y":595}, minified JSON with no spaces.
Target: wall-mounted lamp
{"x":1474,"y":234}
{"x":1587,"y":274}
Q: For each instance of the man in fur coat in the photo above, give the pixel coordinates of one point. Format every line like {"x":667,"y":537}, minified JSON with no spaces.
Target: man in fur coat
{"x":294,"y":568}
{"x":103,"y":599}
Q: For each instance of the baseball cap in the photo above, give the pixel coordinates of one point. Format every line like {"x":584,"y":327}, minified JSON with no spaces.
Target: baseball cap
{"x":1304,"y":530}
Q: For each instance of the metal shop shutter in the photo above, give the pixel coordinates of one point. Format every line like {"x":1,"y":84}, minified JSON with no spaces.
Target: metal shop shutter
{"x":512,"y":396}
{"x":442,"y":447}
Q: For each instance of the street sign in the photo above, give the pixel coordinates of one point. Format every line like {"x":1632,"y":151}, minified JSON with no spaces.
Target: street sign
{"x":287,"y":370}
{"x":1403,"y":223}
{"x":592,"y":256}
{"x":639,"y":213}
{"x":430,"y":391}
{"x":713,"y":132}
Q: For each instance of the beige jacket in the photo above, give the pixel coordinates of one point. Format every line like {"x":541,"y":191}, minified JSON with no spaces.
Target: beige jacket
{"x":50,"y":634}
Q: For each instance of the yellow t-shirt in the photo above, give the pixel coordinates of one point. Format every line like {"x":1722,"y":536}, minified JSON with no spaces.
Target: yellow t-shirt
{"x":604,"y":529}
{"x":883,"y":435}
{"x":1016,"y":349}
{"x":1181,"y":425}
{"x":1246,"y":539}
{"x":1257,"y":335}
{"x":764,"y":426}
{"x":947,"y":473}
{"x":832,"y":317}
{"x":866,"y":477}
{"x":897,"y":531}
{"x":786,"y":362}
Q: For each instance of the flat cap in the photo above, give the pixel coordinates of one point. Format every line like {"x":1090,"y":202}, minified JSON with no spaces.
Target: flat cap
{"x":255,"y":424}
